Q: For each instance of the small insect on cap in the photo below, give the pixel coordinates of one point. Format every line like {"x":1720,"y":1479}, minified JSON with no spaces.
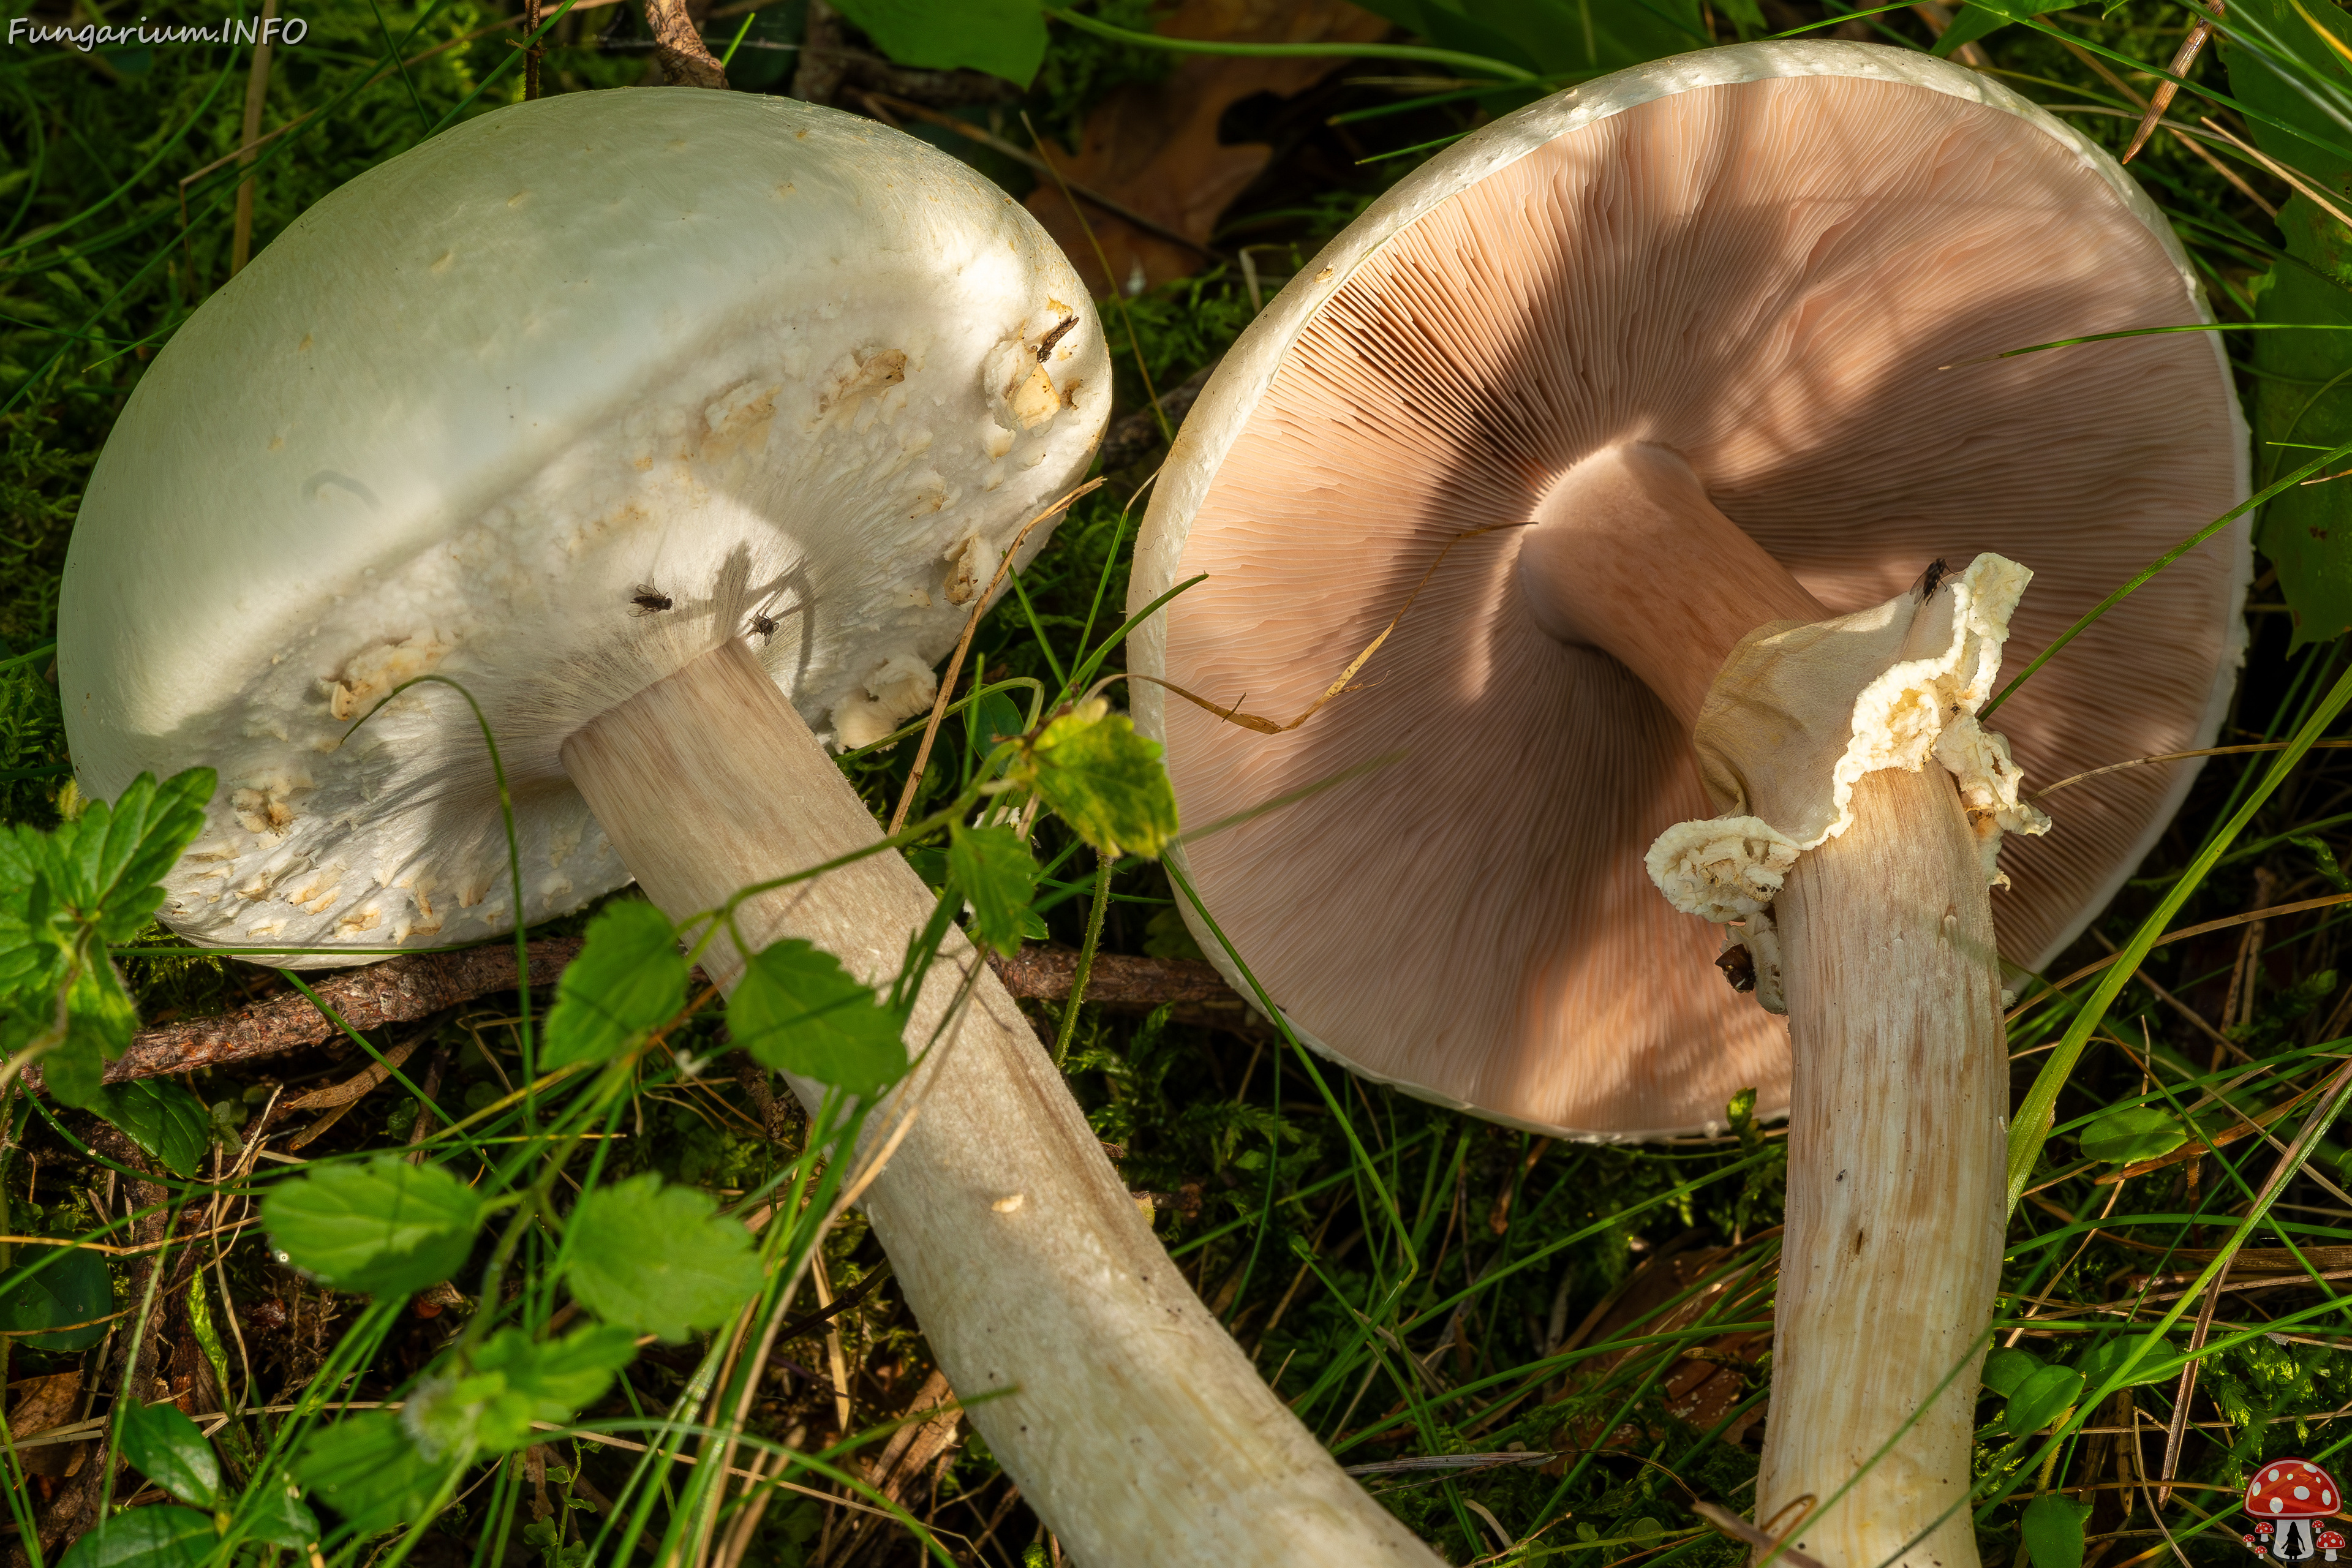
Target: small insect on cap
{"x":2292,"y":1489}
{"x":552,"y":405}
{"x":1757,"y":262}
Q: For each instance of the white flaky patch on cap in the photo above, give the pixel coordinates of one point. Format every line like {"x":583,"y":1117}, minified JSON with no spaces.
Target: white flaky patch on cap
{"x":1802,"y":711}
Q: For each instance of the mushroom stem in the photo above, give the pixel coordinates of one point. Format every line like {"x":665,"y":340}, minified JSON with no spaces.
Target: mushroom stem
{"x":1900,"y":1082}
{"x":1135,"y":1427}
{"x":1894,"y":1213}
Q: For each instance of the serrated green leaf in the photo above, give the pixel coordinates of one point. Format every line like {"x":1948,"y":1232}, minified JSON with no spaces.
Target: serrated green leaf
{"x":145,"y":1538}
{"x":368,"y":1469}
{"x":101,"y":1015}
{"x":386,"y":1228}
{"x":488,"y":1409}
{"x":2045,"y":1393}
{"x":2134,"y":1133}
{"x":659,"y":1260}
{"x":797,"y":1010}
{"x":2004,"y":1370}
{"x":992,"y":868}
{"x":2052,"y":1529}
{"x":1103,"y":780}
{"x":108,"y":865}
{"x":561,"y":1377}
{"x":162,"y":1117}
{"x":167,"y":1448}
{"x":71,"y":1287}
{"x":1004,"y":38}
{"x":629,"y":978}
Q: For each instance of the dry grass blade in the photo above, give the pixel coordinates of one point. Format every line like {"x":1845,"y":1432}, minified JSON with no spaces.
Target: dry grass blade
{"x":1738,"y":1528}
{"x":2161,"y":99}
{"x":2058,"y":987}
{"x":2303,"y":186}
{"x":2183,"y":756}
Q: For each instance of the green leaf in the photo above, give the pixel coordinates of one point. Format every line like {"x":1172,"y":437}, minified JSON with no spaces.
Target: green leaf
{"x":166,"y":1448}
{"x":2045,"y":1395}
{"x":162,"y":1117}
{"x":558,"y":1377}
{"x":106,"y":867}
{"x":72,"y":1286}
{"x":279,"y":1518}
{"x":101,"y":1017}
{"x":1103,"y":780}
{"x":2005,"y":1370}
{"x":2053,"y":1529}
{"x":1554,"y":36}
{"x":797,"y":1010}
{"x":2323,"y":856}
{"x":659,"y":1260}
{"x":145,"y":1538}
{"x":2302,"y":385}
{"x":992,"y":868}
{"x":386,"y":1228}
{"x":487,"y":1408}
{"x":1165,"y":935}
{"x":367,"y":1468}
{"x":1004,"y":38}
{"x":629,"y":978}
{"x":989,"y":723}
{"x":1979,"y":17}
{"x":74,"y":1073}
{"x":2136,"y":1132}
{"x":2098,"y":1363}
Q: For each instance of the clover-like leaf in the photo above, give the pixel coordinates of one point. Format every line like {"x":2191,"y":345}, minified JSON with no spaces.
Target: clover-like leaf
{"x":994,"y":869}
{"x":659,"y":1260}
{"x":167,"y":1448}
{"x":1103,"y":780}
{"x":628,"y":978}
{"x":797,"y":1010}
{"x":386,"y":1227}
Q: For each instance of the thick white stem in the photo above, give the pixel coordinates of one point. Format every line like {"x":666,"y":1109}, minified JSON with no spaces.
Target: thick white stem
{"x":1138,"y":1430}
{"x":1894,"y":1215}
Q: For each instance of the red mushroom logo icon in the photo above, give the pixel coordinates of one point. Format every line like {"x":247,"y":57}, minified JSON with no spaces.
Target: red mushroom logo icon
{"x":2289,"y":1494}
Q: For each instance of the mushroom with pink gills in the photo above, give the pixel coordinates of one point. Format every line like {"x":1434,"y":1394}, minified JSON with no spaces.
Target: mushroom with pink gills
{"x":680,"y":429}
{"x":1671,"y":414}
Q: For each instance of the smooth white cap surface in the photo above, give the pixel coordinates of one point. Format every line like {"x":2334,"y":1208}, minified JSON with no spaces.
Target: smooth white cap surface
{"x":754,"y":358}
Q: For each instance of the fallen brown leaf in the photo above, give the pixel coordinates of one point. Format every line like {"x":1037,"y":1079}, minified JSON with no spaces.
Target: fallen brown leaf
{"x":1154,"y":147}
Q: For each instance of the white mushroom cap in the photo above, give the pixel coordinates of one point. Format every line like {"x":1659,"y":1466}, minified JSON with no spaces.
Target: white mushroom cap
{"x":1794,"y":265}
{"x":754,"y":357}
